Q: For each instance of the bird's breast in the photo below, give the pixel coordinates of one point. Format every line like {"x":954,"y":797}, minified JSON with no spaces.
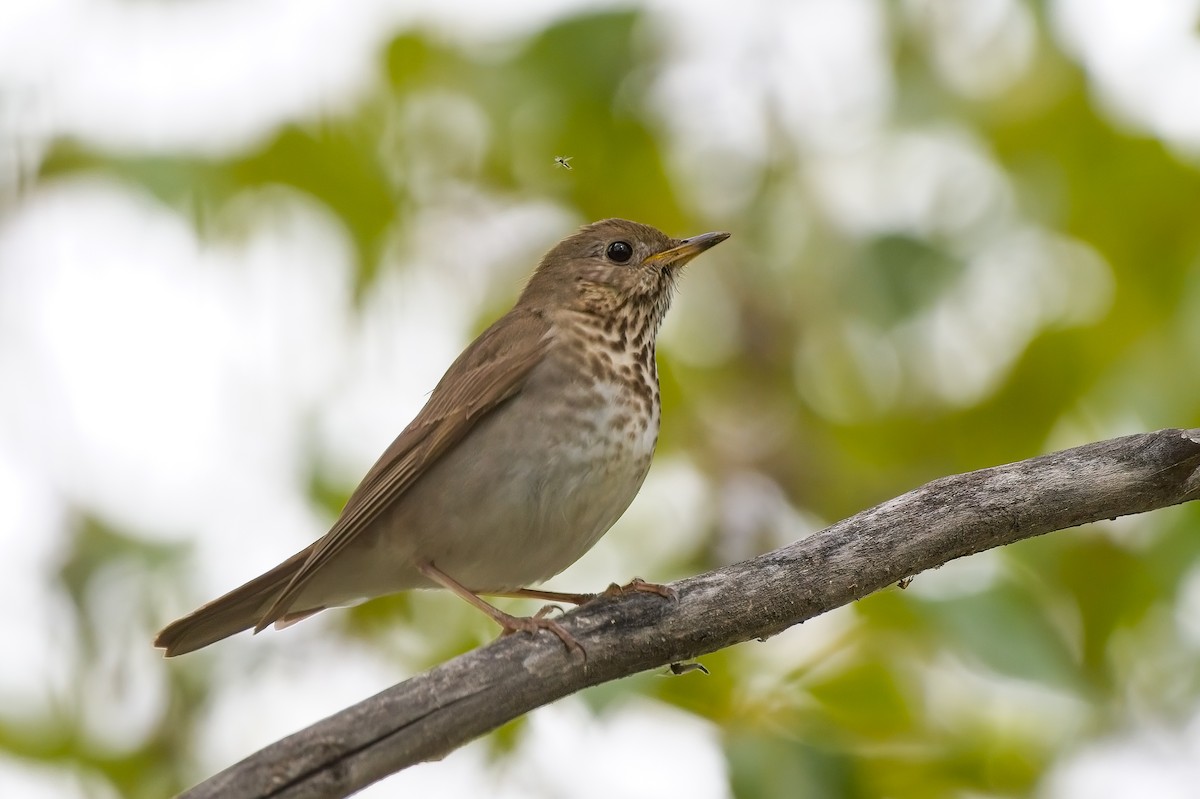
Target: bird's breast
{"x":564,"y":458}
{"x":602,"y":382}
{"x":596,"y":431}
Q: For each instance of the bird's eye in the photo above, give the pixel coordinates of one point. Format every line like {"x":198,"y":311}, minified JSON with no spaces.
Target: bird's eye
{"x":620,"y":251}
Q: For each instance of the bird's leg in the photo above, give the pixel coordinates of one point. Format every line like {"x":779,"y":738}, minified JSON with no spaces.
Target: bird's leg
{"x":636,"y":585}
{"x":549,"y":596}
{"x":640,"y":586}
{"x":508,"y":623}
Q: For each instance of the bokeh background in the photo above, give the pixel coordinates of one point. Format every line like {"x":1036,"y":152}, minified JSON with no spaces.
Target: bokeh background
{"x":240,"y":241}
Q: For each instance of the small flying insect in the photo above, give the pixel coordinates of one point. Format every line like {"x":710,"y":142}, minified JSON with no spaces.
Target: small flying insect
{"x":563,"y":161}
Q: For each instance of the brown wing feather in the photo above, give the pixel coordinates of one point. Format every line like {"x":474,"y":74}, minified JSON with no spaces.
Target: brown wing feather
{"x":486,"y":374}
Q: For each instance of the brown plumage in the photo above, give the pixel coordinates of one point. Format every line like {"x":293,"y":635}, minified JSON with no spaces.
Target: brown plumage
{"x":530,"y":447}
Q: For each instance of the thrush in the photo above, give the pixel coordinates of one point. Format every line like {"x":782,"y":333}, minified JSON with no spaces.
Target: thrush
{"x":528,"y":450}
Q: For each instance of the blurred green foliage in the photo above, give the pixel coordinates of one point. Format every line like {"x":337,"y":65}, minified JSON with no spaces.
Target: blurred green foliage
{"x":858,"y":721}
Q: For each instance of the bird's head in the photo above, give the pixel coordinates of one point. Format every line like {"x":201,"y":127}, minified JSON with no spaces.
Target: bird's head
{"x":612,"y":267}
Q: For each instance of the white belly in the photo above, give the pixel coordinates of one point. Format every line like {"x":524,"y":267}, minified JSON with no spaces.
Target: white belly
{"x":500,"y":522}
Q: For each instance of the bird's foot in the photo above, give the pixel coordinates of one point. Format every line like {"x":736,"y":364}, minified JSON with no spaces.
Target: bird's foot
{"x":508,"y":623}
{"x":538,"y":621}
{"x":640,"y":586}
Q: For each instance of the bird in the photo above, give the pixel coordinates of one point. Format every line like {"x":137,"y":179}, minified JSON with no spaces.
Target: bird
{"x":564,"y":161}
{"x":528,"y":450}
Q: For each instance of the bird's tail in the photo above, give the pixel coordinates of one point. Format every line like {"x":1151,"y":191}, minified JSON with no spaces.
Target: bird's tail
{"x":240,"y":609}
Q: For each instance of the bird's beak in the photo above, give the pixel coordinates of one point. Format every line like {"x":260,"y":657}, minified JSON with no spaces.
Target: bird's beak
{"x":686,"y":250}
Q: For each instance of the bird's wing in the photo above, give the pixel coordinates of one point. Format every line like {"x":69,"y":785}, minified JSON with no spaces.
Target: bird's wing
{"x":489,"y":372}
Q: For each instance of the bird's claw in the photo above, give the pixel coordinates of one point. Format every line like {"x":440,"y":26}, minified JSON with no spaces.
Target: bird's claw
{"x":538,"y":621}
{"x":546,"y":610}
{"x":640,"y":586}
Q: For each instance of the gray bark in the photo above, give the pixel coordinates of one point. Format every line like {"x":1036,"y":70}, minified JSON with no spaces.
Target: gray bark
{"x":430,"y":715}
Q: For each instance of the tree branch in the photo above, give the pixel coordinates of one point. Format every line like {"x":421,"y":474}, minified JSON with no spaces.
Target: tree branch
{"x":430,"y":715}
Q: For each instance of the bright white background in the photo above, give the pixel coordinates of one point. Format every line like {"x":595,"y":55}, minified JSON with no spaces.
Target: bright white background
{"x":97,"y":281}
